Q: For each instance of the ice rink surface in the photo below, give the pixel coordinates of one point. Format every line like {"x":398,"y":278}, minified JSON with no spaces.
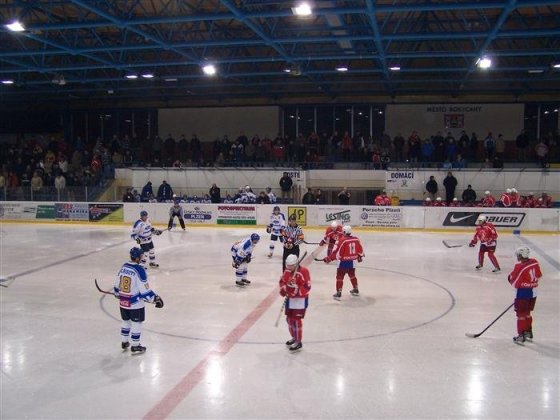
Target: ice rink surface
{"x":398,"y":350}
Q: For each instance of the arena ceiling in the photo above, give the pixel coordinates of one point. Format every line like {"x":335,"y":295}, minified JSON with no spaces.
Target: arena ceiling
{"x":80,"y":52}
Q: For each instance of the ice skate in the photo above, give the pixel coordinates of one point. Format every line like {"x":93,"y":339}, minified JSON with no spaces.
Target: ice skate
{"x":269,"y":255}
{"x":355,"y":292}
{"x":240,"y":283}
{"x":125,"y":346}
{"x":246,"y":281}
{"x":496,"y":270}
{"x":290,"y":342}
{"x":520,"y":339}
{"x":478,"y":267}
{"x":296,"y":347}
{"x":154,"y":265}
{"x":337,"y":295}
{"x":528,"y":335}
{"x":138,"y":349}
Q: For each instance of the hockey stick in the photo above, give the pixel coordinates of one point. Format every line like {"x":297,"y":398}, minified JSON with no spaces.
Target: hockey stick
{"x":492,"y":323}
{"x":100,"y":289}
{"x":312,"y":243}
{"x":286,"y":298}
{"x":448,"y":245}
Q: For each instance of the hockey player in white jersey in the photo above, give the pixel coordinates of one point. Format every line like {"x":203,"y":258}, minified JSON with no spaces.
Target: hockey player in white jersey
{"x":241,"y":252}
{"x":142,"y":233}
{"x":271,"y":195}
{"x":275,"y":225}
{"x":132,"y":289}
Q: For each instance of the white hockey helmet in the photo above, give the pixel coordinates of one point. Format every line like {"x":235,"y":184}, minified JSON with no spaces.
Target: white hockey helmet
{"x":428,"y":199}
{"x":334,"y":224}
{"x":347,"y":230}
{"x":481,"y":219}
{"x":438,"y":199}
{"x":523,"y":252}
{"x":455,"y":199}
{"x":509,"y":190}
{"x":487,"y":192}
{"x":291,"y":259}
{"x":513,"y":190}
{"x":531,"y":194}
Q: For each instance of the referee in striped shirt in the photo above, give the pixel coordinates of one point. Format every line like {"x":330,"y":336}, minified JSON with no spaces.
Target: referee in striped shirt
{"x":293,"y":237}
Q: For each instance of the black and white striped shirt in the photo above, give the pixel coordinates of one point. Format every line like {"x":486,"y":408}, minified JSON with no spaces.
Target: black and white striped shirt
{"x":294,"y":233}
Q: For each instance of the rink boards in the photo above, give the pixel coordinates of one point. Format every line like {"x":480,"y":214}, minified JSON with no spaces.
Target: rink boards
{"x":398,"y":217}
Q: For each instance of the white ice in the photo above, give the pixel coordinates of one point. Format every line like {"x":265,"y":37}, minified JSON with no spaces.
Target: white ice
{"x":398,"y":350}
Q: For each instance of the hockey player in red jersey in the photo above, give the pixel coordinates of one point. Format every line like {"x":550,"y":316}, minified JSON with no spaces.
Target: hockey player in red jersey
{"x":487,"y":235}
{"x":455,"y":203}
{"x":427,"y":202}
{"x":348,"y":249}
{"x":295,"y":285}
{"x":514,"y":198}
{"x":331,"y":235}
{"x":530,"y":201}
{"x":488,"y":200}
{"x":382,"y":200}
{"x":439,"y":202}
{"x":505,"y":198}
{"x":525,"y":278}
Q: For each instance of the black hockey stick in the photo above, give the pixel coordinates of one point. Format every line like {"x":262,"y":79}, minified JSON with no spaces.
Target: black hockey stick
{"x":317,"y":259}
{"x":286,"y":299}
{"x":100,"y":289}
{"x":492,"y":323}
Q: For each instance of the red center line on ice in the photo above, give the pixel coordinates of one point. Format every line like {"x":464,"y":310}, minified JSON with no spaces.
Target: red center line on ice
{"x":174,"y":397}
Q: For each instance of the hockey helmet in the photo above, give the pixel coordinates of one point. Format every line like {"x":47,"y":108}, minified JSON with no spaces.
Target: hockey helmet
{"x":455,"y":199}
{"x":347,"y":230}
{"x":143,"y":213}
{"x":487,"y":192}
{"x":136,"y":253}
{"x":481,"y":220}
{"x":514,"y":190}
{"x":292,"y":259}
{"x":523,"y":252}
{"x":438,"y":199}
{"x":292,"y":218}
{"x":276,"y":209}
{"x":334,"y":224}
{"x":508,"y":190}
{"x":255,"y":237}
{"x":428,"y":199}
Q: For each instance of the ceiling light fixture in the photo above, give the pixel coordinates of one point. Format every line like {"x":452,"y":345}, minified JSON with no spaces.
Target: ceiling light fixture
{"x":535,"y":71}
{"x":171,"y":79}
{"x":395,"y":68}
{"x":131,"y":76}
{"x":556,"y":66}
{"x":209,"y":69}
{"x":8,"y":82}
{"x":484,"y":63}
{"x":342,"y":69}
{"x":302,"y":9}
{"x":148,"y":76}
{"x":15,"y":26}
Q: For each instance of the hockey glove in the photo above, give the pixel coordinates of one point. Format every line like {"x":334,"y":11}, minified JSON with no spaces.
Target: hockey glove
{"x":248,"y":259}
{"x":157,"y":232}
{"x":360,"y":258}
{"x":158,"y":301}
{"x":283,"y":292}
{"x":138,"y":241}
{"x":472,"y":244}
{"x":268,"y":229}
{"x":322,"y":243}
{"x":326,"y":260}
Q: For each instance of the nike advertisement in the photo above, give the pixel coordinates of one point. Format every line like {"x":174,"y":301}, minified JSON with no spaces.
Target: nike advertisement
{"x":467,"y":218}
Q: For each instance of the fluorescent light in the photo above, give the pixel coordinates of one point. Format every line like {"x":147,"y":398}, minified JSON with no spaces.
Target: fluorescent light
{"x":287,"y":70}
{"x":535,"y":71}
{"x":147,"y":75}
{"x":556,"y":66}
{"x":302,"y":9}
{"x":131,"y":76}
{"x":15,"y":26}
{"x":395,"y":68}
{"x":171,"y":80}
{"x":209,"y":69}
{"x":8,"y":82}
{"x":484,"y":63}
{"x":342,"y":68}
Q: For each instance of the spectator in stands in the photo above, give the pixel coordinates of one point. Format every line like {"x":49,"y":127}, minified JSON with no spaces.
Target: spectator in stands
{"x":459,"y":162}
{"x":398,"y":146}
{"x":427,"y":150}
{"x":37,"y":182}
{"x":286,"y":185}
{"x":308,"y":197}
{"x":414,"y":147}
{"x":60,"y":184}
{"x":522,"y":144}
{"x":344,"y":197}
{"x":490,"y":146}
{"x":450,"y":184}
{"x":432,"y":187}
{"x":319,"y":197}
{"x":469,"y":196}
{"x":497,"y":162}
{"x":147,"y":192}
{"x":271,"y":195}
{"x":263,"y":198}
{"x":165,"y":192}
{"x":473,"y":146}
{"x":541,"y":150}
{"x":128,"y":196}
{"x":439,"y":147}
{"x":2,"y":186}
{"x":215,"y":195}
{"x":500,"y":146}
